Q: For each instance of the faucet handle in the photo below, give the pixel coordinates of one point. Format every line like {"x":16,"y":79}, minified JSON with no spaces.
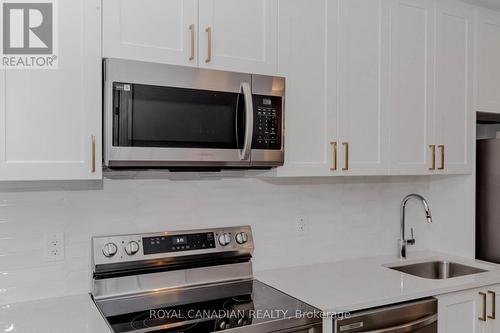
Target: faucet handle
{"x":411,"y":241}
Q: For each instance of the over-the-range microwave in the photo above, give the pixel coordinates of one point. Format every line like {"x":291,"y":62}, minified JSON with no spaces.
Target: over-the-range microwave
{"x":167,"y":116}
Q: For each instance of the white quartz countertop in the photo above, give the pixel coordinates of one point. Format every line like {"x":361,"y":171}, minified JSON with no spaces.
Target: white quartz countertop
{"x":75,"y":314}
{"x":364,"y":283}
{"x":338,"y":286}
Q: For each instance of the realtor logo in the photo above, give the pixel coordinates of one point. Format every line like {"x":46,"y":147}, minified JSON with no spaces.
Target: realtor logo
{"x":28,"y":39}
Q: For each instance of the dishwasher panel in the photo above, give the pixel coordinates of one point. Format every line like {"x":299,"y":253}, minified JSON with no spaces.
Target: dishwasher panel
{"x":413,"y":317}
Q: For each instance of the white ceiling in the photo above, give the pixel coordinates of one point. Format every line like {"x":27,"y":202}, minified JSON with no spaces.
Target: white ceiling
{"x":493,"y":4}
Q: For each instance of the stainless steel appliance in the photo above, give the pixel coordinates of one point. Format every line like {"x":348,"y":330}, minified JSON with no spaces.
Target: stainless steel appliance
{"x":190,"y":281}
{"x":487,"y":200}
{"x":170,"y":116}
{"x":413,"y":317}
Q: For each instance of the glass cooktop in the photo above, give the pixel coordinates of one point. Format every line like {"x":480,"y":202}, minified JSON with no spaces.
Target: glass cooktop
{"x":258,"y":304}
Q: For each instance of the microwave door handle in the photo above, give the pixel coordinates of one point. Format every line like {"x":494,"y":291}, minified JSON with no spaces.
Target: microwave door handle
{"x":247,"y":144}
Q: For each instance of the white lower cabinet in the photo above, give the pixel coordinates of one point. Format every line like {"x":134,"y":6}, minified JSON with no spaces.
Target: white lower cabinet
{"x":470,"y":311}
{"x":493,"y":317}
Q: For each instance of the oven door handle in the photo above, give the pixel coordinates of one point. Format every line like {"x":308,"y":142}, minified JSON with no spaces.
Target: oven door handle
{"x":409,"y":327}
{"x":247,"y":144}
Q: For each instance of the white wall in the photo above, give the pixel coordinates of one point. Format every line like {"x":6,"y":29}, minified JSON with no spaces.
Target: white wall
{"x":346,"y":218}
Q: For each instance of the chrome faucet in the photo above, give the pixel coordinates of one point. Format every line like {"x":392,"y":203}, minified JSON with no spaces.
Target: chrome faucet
{"x":403,"y":242}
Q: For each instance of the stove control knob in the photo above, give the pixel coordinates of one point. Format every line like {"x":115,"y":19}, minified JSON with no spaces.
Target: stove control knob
{"x":224,"y":239}
{"x":109,"y":250}
{"x":223,"y":325}
{"x":132,"y":248}
{"x":241,"y":237}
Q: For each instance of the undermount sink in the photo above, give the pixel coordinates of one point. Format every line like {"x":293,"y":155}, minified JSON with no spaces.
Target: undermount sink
{"x":438,"y":270}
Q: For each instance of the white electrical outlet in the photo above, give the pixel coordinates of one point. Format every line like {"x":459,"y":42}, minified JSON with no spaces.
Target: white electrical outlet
{"x":54,"y":246}
{"x":301,"y":226}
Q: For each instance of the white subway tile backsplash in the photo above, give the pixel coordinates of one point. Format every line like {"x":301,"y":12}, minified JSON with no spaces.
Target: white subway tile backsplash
{"x":345,"y":219}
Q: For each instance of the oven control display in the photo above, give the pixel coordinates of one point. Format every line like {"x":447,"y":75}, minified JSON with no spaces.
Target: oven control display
{"x":175,"y":243}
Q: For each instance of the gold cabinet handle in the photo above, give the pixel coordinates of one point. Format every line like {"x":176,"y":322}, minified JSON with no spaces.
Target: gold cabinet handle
{"x":441,"y":148}
{"x":334,"y":146}
{"x":209,"y":50}
{"x":346,"y":156}
{"x":191,"y":28}
{"x":92,"y":168}
{"x":483,"y":316}
{"x":433,"y":149}
{"x":493,"y":305}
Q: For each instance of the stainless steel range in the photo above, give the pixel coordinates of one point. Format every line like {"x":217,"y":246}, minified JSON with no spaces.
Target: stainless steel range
{"x":190,"y":281}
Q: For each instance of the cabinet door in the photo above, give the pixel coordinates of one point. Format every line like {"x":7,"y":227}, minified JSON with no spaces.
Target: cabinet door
{"x":493,"y":315}
{"x":459,"y":312}
{"x":363,"y":87}
{"x":302,"y":26}
{"x":151,"y":30}
{"x":238,"y":35}
{"x":309,"y":123}
{"x":487,"y":86}
{"x":49,"y":117}
{"x":454,"y":119}
{"x":411,"y":91}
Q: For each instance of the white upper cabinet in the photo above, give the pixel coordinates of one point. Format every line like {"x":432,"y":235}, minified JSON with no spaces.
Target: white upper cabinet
{"x":234,"y":35}
{"x":238,"y":35}
{"x":302,"y":60}
{"x":363,"y":140}
{"x":392,"y":96}
{"x":162,"y":31}
{"x":432,"y":120}
{"x":411,"y":91}
{"x":454,"y":118}
{"x":50,"y":120}
{"x":487,"y":80}
{"x":336,"y":118}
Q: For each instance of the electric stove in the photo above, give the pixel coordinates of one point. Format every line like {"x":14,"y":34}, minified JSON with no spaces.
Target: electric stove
{"x":190,"y":281}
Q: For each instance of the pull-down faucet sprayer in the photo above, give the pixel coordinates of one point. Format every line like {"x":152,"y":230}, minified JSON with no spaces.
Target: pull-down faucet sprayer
{"x":403,"y":242}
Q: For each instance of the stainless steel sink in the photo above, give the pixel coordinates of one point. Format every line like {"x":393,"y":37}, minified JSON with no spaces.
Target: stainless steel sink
{"x":438,"y":269}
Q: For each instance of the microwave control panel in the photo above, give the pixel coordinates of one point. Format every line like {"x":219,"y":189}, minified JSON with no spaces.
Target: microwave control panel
{"x":267,"y":122}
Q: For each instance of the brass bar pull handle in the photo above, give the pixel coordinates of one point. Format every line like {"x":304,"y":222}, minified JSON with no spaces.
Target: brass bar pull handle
{"x":346,"y":156}
{"x":441,"y":147}
{"x":209,"y":50}
{"x":191,"y":28}
{"x":433,"y":149}
{"x":92,"y":168}
{"x":483,"y":316}
{"x":493,"y":305}
{"x":334,"y":166}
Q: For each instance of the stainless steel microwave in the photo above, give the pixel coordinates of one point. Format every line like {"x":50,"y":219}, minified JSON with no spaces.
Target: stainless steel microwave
{"x":171,"y":116}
